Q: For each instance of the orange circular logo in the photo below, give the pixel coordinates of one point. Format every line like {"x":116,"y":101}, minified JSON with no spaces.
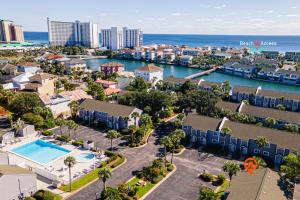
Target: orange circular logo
{"x":250,"y":165}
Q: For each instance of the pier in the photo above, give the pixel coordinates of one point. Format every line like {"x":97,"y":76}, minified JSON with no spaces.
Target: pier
{"x":202,"y":73}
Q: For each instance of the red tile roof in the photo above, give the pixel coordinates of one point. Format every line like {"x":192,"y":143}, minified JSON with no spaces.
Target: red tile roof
{"x":110,"y":91}
{"x":112,"y":64}
{"x":150,"y":68}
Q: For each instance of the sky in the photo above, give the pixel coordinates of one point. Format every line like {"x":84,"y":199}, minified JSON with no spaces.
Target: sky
{"x":232,"y":17}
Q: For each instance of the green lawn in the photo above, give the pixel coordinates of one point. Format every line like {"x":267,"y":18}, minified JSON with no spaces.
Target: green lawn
{"x":141,"y":190}
{"x":91,"y":176}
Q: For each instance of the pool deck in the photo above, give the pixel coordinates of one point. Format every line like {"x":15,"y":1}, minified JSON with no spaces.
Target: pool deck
{"x":56,"y":166}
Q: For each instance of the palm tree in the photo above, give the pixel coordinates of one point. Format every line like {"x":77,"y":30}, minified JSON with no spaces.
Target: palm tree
{"x":176,"y":137}
{"x":112,"y":134}
{"x":135,"y":115}
{"x":104,"y":174}
{"x":60,"y":122}
{"x":71,"y":125}
{"x":261,"y":142}
{"x":270,"y":121}
{"x":74,"y":107}
{"x":18,"y":125}
{"x":126,"y":119}
{"x":226,"y":130}
{"x":231,"y":168}
{"x":132,"y":129}
{"x":11,"y":121}
{"x":75,"y":127}
{"x":70,"y":162}
{"x":166,"y":141}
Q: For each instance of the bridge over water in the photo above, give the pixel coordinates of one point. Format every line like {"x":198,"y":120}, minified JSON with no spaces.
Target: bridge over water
{"x":206,"y":72}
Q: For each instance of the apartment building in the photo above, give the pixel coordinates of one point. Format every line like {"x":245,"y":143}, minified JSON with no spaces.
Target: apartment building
{"x":240,"y":93}
{"x":115,"y":116}
{"x":73,"y":34}
{"x":241,"y":139}
{"x":117,"y":38}
{"x":237,"y":69}
{"x":10,"y":32}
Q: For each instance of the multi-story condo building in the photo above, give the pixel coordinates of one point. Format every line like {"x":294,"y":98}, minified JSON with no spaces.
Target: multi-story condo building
{"x":73,"y":34}
{"x":115,"y":116}
{"x":116,"y":38}
{"x":241,"y":140}
{"x":238,"y":69}
{"x":10,"y":32}
{"x":111,"y":67}
{"x":132,"y":37}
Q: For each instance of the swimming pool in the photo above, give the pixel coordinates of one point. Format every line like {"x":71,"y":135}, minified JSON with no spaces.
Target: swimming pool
{"x":84,"y":157}
{"x":40,"y":151}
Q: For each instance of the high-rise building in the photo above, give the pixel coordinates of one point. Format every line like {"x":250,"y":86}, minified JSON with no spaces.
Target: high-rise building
{"x":116,"y":38}
{"x":132,"y":37}
{"x":10,"y":32}
{"x":73,"y":34}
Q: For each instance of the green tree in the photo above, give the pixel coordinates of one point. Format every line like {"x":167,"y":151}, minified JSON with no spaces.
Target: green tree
{"x":166,"y":141}
{"x":112,"y":134}
{"x":291,"y":127}
{"x":176,"y":137}
{"x":135,"y":115}
{"x":226,"y":130}
{"x":207,"y":194}
{"x":231,"y":168}
{"x":104,"y":174}
{"x":74,"y":107}
{"x":291,"y":167}
{"x":25,"y":103}
{"x":96,"y":90}
{"x":139,"y":84}
{"x":111,"y":194}
{"x":261,"y":142}
{"x":71,"y":125}
{"x":270,"y":121}
{"x":132,"y":130}
{"x":70,"y":162}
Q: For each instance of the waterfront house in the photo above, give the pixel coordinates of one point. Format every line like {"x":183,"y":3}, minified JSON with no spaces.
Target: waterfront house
{"x":237,"y":69}
{"x":262,"y":185}
{"x":271,"y":54}
{"x":111,"y":67}
{"x":292,"y":56}
{"x":261,"y":114}
{"x":241,"y":139}
{"x":240,"y":93}
{"x":185,"y":60}
{"x":268,"y":73}
{"x":74,"y":65}
{"x":271,"y":99}
{"x":115,"y":116}
{"x":150,"y":73}
{"x":16,"y":182}
{"x":42,"y":83}
{"x":289,"y":77}
{"x":29,"y":67}
{"x":191,"y":52}
{"x":149,"y":55}
{"x":168,"y":57}
{"x":139,"y":55}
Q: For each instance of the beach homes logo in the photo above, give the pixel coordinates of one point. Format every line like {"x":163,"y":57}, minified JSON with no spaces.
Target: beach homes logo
{"x":258,"y":46}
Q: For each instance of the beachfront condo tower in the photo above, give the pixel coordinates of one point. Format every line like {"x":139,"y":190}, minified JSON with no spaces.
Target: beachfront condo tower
{"x":10,"y":32}
{"x":116,"y":38}
{"x":73,"y":34}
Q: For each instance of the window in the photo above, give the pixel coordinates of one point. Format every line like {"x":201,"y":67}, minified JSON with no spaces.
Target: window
{"x":214,"y":141}
{"x":215,"y":134}
{"x":266,"y":153}
{"x":256,"y":151}
{"x":222,"y":142}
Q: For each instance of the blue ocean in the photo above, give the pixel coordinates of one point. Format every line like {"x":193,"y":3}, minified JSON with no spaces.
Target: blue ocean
{"x":283,"y":43}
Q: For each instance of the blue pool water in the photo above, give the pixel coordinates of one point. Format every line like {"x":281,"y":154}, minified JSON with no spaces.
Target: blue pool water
{"x":40,"y":151}
{"x":84,"y":157}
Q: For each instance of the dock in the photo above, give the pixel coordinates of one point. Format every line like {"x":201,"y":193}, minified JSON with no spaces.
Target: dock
{"x":206,"y":72}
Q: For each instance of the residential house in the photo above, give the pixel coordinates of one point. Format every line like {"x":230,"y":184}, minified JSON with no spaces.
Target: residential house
{"x":42,"y":83}
{"x":262,"y":185}
{"x":185,"y":60}
{"x":59,"y":103}
{"x":139,"y":55}
{"x":111,"y":67}
{"x":207,"y":85}
{"x":75,"y":65}
{"x":289,"y":77}
{"x":228,"y":106}
{"x":261,"y":114}
{"x":8,"y":69}
{"x":191,"y":52}
{"x":115,"y":116}
{"x":107,"y":84}
{"x":150,"y":73}
{"x":18,"y":82}
{"x":240,"y":93}
{"x":16,"y":182}
{"x":168,"y":57}
{"x":29,"y":67}
{"x":268,"y":73}
{"x":271,"y":99}
{"x":150,"y":55}
{"x":110,"y":91}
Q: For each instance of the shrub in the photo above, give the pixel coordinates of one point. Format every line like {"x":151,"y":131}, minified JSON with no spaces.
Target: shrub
{"x":46,"y":195}
{"x":47,"y":133}
{"x":170,"y":168}
{"x":49,"y":123}
{"x":64,"y":138}
{"x":29,"y":198}
{"x":221,"y":178}
{"x":78,"y":142}
{"x":207,"y":177}
{"x":157,"y":179}
{"x":34,"y":119}
{"x":109,"y":153}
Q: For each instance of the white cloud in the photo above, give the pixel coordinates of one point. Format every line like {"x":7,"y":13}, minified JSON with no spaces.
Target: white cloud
{"x":178,"y":14}
{"x":103,"y":15}
{"x":221,"y":6}
{"x":293,"y":15}
{"x":269,"y":11}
